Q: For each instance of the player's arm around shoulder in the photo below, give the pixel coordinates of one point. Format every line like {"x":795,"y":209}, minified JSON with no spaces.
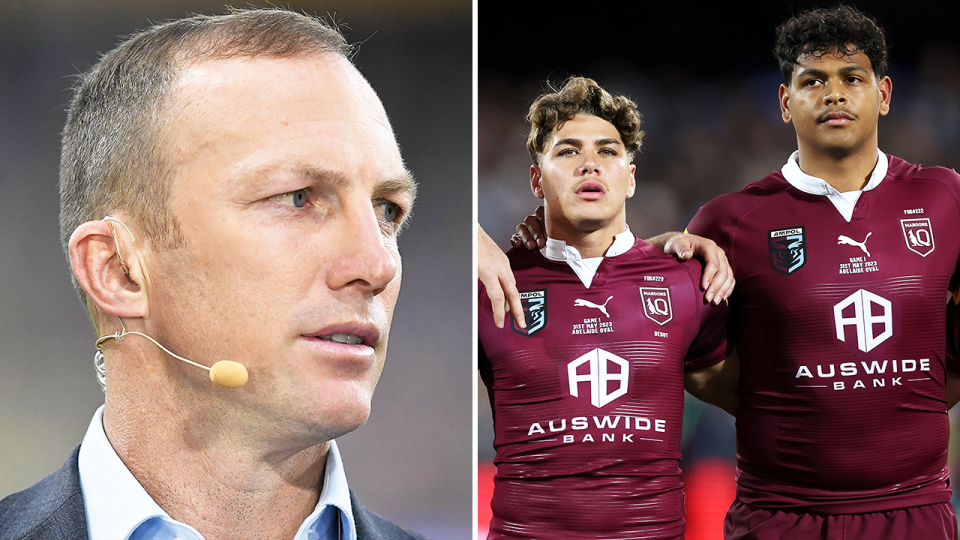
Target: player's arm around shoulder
{"x":497,"y":279}
{"x":717,"y":280}
{"x":717,"y":384}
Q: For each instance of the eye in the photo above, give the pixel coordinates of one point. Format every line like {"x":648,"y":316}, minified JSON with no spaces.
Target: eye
{"x":391,"y":215}
{"x":608,"y":151}
{"x":388,"y":211}
{"x":296,"y":199}
{"x":566,"y":152}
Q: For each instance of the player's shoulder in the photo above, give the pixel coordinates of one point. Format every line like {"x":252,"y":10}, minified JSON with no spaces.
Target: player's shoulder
{"x":902,"y":169}
{"x":734,"y":204}
{"x":521,"y":255}
{"x":657,"y":260}
{"x":531,"y":268}
{"x":645,"y":250}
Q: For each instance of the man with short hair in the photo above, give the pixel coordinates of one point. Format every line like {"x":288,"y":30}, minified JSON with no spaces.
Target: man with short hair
{"x":587,"y":395}
{"x":213,"y":169}
{"x":843,"y":259}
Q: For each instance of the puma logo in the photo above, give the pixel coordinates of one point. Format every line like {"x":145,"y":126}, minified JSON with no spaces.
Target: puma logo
{"x":586,"y":303}
{"x":851,"y":242}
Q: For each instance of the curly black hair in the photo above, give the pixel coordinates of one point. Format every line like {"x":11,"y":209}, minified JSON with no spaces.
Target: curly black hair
{"x":841,"y":28}
{"x":580,"y":95}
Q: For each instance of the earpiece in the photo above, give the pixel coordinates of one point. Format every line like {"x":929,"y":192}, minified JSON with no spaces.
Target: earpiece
{"x":225,"y":373}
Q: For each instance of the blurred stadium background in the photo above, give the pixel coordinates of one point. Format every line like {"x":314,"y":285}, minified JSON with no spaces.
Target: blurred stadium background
{"x":412,"y":461}
{"x":704,"y":77}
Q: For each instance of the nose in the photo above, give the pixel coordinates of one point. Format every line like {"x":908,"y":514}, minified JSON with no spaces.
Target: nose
{"x":834,"y":94}
{"x":590,"y":165}
{"x":364,"y":258}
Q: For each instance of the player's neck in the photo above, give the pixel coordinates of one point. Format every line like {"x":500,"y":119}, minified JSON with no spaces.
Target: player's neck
{"x":844,"y":170}
{"x":590,"y":243}
{"x":200,"y":476}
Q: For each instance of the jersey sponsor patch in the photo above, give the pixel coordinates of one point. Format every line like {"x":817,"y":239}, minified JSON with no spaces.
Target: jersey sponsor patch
{"x":656,"y":304}
{"x":607,"y":377}
{"x":918,"y":234}
{"x":788,"y":249}
{"x":869,"y":314}
{"x":534,"y":311}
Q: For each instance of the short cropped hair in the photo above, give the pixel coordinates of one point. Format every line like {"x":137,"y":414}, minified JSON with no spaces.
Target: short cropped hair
{"x":580,"y":95}
{"x":841,"y":29}
{"x":113,"y":156}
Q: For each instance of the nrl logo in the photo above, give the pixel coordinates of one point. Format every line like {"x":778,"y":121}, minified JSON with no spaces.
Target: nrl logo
{"x":656,"y":304}
{"x":918,"y":234}
{"x":534,"y":310}
{"x":788,"y":249}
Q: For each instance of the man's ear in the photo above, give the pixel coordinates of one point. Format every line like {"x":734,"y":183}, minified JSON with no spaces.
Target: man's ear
{"x":785,"y":104}
{"x":632,"y":186}
{"x":113,"y":286}
{"x":535,"y":181}
{"x":886,"y":92}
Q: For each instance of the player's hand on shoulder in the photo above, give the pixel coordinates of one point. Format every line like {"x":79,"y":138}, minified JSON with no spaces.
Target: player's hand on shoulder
{"x":717,"y":281}
{"x":531,"y":233}
{"x":493,"y":270}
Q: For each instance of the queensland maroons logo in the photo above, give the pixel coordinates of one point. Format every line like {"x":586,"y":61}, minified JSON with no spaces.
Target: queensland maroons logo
{"x":918,"y":234}
{"x":656,"y":304}
{"x":534,"y":312}
{"x":788,"y":249}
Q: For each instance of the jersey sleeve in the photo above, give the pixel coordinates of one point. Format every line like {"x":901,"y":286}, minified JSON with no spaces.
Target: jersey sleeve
{"x":710,"y":345}
{"x":484,"y":309}
{"x":484,"y":365}
{"x":953,"y":334}
{"x":710,"y":222}
{"x":952,"y":356}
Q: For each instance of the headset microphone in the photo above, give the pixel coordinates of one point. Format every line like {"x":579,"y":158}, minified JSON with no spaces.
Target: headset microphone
{"x":225,"y":373}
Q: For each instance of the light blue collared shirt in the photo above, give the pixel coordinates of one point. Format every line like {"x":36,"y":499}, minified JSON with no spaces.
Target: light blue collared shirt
{"x":118,"y":508}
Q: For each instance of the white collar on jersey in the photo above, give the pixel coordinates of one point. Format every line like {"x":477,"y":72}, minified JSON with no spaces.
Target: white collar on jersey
{"x":844,"y":202}
{"x":558,"y":250}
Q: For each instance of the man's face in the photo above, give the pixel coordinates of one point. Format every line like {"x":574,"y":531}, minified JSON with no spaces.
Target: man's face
{"x":289,"y":187}
{"x":834,"y":102}
{"x":584,"y":175}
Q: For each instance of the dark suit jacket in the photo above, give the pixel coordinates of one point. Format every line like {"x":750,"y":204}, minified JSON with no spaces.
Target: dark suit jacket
{"x":53,"y":510}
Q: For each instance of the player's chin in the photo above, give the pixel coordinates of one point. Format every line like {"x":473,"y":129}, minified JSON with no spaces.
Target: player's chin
{"x":838,"y":138}
{"x":591,"y":221}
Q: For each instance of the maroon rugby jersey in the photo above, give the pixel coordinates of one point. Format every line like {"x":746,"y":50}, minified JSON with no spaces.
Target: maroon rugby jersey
{"x":588,"y":401}
{"x":840,"y":331}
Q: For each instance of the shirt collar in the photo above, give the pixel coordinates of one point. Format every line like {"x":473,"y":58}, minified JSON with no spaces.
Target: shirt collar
{"x":558,"y":250}
{"x":116,"y":504}
{"x":843,"y":202}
